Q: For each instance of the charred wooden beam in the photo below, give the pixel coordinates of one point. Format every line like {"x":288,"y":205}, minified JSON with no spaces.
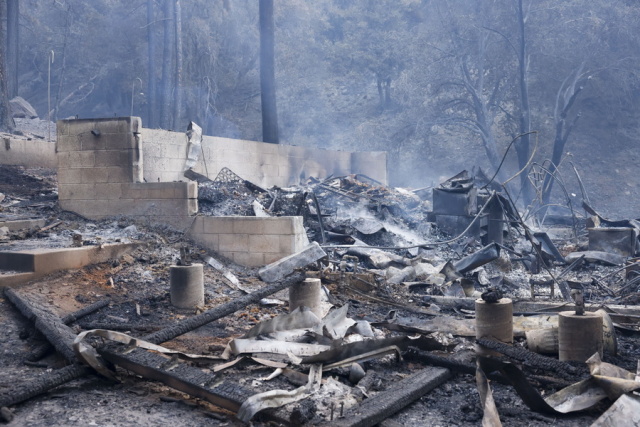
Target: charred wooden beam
{"x":42,"y":384}
{"x":57,"y":333}
{"x":193,"y":381}
{"x":63,"y":343}
{"x":417,"y":355}
{"x":222,"y":310}
{"x":113,"y":326}
{"x":386,"y":403}
{"x":44,"y":349}
{"x":85,"y":311}
{"x":533,"y":360}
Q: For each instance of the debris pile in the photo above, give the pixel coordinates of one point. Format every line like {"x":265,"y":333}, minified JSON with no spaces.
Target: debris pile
{"x":445,"y":298}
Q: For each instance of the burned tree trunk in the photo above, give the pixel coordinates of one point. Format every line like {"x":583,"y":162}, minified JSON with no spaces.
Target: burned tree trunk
{"x":177,"y":81}
{"x":566,"y":98}
{"x":6,"y":122}
{"x":13,"y":46}
{"x":267,"y":74}
{"x":166,"y":66}
{"x":522,"y":149}
{"x":151,"y":79}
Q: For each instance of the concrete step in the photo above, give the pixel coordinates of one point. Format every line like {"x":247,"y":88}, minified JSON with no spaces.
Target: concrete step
{"x":22,"y":224}
{"x":23,"y":266}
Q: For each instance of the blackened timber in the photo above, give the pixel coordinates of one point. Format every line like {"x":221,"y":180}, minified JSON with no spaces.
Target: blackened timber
{"x":456,"y":366}
{"x":221,"y":311}
{"x":57,"y":333}
{"x":534,"y":360}
{"x":42,"y":384}
{"x":193,"y":381}
{"x":386,"y":403}
{"x":70,"y":373}
{"x":85,"y":311}
{"x":44,"y":349}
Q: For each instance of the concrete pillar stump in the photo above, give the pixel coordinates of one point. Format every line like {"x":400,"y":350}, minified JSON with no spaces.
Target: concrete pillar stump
{"x":187,"y":286}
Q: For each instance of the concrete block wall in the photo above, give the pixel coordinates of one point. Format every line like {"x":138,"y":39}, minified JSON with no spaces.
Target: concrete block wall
{"x":250,"y":241}
{"x":32,"y":153}
{"x":100,"y":174}
{"x":165,"y":155}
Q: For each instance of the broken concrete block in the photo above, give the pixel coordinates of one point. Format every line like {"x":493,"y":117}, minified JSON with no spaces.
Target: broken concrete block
{"x":281,"y":268}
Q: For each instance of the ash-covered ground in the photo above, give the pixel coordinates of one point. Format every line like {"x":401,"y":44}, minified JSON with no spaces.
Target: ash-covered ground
{"x":404,"y":285}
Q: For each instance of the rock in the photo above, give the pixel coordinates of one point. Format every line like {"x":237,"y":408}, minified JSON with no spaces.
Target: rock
{"x":21,"y":109}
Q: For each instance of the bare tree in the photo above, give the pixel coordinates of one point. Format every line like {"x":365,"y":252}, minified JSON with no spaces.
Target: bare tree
{"x":475,"y":104}
{"x":267,"y":74}
{"x":6,"y":122}
{"x":151,"y":79}
{"x":566,"y":97}
{"x":166,"y":65}
{"x":522,"y":149}
{"x":177,"y":80}
{"x":13,"y":46}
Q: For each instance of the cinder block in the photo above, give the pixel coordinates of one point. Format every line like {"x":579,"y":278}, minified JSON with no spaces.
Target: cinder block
{"x":120,"y":174}
{"x":270,"y":258}
{"x":70,"y":176}
{"x":209,"y":241}
{"x":68,"y":143}
{"x":166,"y":207}
{"x":77,"y":191}
{"x":218,"y":225}
{"x":264,"y":243}
{"x":135,"y":124}
{"x":107,"y":191}
{"x":197,"y":227}
{"x":62,"y":128}
{"x":249,"y":225}
{"x":192,"y":207}
{"x":161,"y":190}
{"x":301,"y":241}
{"x":112,"y":158}
{"x":298,"y":225}
{"x":279,"y":225}
{"x":248,"y":259}
{"x":90,"y":175}
{"x":234,"y":242}
{"x":113,"y":126}
{"x":192,"y":190}
{"x":117,"y":141}
{"x":286,"y":245}
{"x":90,"y":142}
{"x":80,"y":126}
{"x":133,"y":191}
{"x":76,"y":159}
